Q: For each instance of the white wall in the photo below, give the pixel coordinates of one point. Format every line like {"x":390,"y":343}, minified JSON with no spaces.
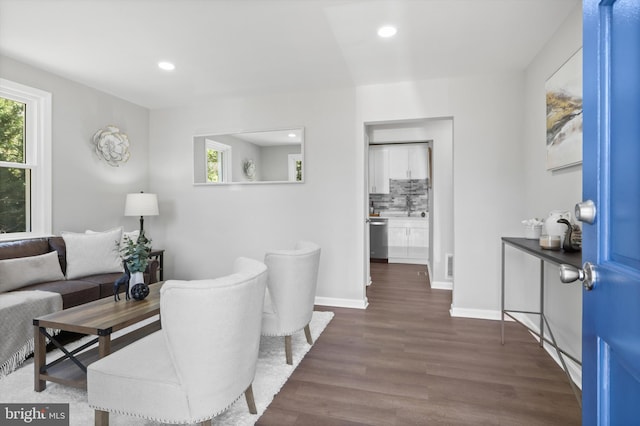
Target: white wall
{"x":488,"y":184}
{"x":546,"y":190}
{"x":441,"y":200}
{"x":275,"y":161}
{"x":205,"y":228}
{"x":87,"y":192}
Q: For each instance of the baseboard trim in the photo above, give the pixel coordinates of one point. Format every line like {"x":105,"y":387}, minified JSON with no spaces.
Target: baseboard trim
{"x":475,"y":313}
{"x":442,"y":285}
{"x":575,"y":370}
{"x":407,"y":260}
{"x":342,"y":303}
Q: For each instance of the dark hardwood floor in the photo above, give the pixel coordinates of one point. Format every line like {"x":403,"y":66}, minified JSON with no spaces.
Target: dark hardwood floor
{"x":405,"y":361}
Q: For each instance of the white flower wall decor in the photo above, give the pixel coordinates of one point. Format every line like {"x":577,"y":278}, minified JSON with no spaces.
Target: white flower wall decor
{"x":250,"y":169}
{"x":112,"y":145}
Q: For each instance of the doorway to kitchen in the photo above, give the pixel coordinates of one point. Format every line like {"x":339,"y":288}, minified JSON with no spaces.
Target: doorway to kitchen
{"x":410,"y":188}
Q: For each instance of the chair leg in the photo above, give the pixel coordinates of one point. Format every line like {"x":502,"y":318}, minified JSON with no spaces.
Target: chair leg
{"x":287,"y":349}
{"x":307,"y":333}
{"x":101,"y":418}
{"x":248,"y":395}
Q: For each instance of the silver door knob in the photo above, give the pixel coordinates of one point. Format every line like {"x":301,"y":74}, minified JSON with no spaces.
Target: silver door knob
{"x":586,"y":211}
{"x":587,"y":275}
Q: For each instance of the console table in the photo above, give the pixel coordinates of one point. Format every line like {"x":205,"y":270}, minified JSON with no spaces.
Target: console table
{"x":532,"y":247}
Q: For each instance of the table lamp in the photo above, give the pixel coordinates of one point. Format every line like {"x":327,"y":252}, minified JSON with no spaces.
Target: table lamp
{"x":141,"y":204}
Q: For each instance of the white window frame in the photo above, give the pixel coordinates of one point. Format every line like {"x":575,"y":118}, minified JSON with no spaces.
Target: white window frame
{"x":38,"y":155}
{"x":225,"y":150}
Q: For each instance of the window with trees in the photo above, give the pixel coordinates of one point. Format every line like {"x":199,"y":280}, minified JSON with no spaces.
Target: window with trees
{"x":25,"y":160}
{"x":218,"y":161}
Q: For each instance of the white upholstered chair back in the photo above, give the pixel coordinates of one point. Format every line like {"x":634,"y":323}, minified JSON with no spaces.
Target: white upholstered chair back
{"x":291,"y":291}
{"x":212,"y":331}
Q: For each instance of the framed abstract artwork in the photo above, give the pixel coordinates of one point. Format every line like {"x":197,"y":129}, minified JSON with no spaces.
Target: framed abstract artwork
{"x":564,"y":114}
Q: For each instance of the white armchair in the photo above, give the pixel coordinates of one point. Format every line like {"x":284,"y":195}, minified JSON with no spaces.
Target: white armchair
{"x":291,"y":290}
{"x":200,"y":362}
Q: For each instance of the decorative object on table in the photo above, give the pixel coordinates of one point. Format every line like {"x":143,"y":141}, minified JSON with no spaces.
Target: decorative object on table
{"x":136,"y":256}
{"x":550,"y":242}
{"x":122,"y":281}
{"x":564,"y":114}
{"x":249,"y":167}
{"x":572,"y":238}
{"x":532,"y":228}
{"x":111,"y":145}
{"x":140,"y":290}
{"x":551,"y":225}
{"x":141,"y":204}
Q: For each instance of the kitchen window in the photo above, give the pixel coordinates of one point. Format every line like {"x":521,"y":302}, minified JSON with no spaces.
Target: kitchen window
{"x":25,"y":161}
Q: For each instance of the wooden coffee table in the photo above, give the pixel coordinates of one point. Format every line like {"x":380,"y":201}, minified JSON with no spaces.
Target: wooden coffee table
{"x":99,"y":318}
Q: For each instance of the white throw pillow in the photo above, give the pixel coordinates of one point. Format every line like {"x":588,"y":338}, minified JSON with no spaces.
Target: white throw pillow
{"x":133,"y":236}
{"x":23,"y":271}
{"x":92,"y":253}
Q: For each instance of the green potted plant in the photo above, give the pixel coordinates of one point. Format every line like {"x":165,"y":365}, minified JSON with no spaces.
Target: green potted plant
{"x":135,"y":255}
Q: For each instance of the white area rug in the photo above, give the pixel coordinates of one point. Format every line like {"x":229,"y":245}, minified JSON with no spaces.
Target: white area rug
{"x":271,"y":374}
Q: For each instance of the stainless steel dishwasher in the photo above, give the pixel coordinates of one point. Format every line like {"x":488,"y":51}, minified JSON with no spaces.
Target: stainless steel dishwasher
{"x":378,"y":239}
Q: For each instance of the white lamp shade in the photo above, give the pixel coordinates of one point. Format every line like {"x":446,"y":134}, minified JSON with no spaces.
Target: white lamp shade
{"x":141,"y":204}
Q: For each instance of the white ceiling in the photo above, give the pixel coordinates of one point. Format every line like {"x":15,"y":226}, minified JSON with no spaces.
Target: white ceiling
{"x":239,"y":47}
{"x":273,"y":137}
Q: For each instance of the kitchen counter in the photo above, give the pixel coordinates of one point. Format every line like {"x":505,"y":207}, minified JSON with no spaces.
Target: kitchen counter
{"x":403,"y":215}
{"x":408,"y":239}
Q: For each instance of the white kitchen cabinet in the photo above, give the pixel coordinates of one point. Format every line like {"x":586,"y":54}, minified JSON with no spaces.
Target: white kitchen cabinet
{"x":408,"y":240}
{"x":398,"y":163}
{"x":408,"y":161}
{"x":378,"y":170}
{"x":397,"y":239}
{"x":418,"y":161}
{"x":418,"y":243}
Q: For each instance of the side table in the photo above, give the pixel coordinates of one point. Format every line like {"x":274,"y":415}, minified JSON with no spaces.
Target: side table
{"x":158,"y":254}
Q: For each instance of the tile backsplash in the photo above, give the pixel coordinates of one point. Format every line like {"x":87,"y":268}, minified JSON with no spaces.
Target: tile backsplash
{"x":416,"y":191}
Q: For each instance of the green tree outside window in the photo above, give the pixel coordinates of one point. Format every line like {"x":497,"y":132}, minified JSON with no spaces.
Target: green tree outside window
{"x":213,"y":166}
{"x":13,"y":180}
{"x":299,"y":171}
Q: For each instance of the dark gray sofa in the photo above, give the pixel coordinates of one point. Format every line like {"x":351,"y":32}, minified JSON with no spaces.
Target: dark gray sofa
{"x":74,"y":292}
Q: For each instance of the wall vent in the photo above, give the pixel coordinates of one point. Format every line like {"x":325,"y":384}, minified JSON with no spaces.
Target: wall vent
{"x":449,"y":266}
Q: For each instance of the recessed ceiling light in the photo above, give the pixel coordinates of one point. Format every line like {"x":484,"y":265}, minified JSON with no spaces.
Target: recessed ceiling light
{"x":387,"y":31}
{"x":167,"y":66}
{"x":292,"y":135}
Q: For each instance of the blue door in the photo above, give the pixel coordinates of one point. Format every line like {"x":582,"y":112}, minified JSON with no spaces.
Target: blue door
{"x":611,"y":178}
